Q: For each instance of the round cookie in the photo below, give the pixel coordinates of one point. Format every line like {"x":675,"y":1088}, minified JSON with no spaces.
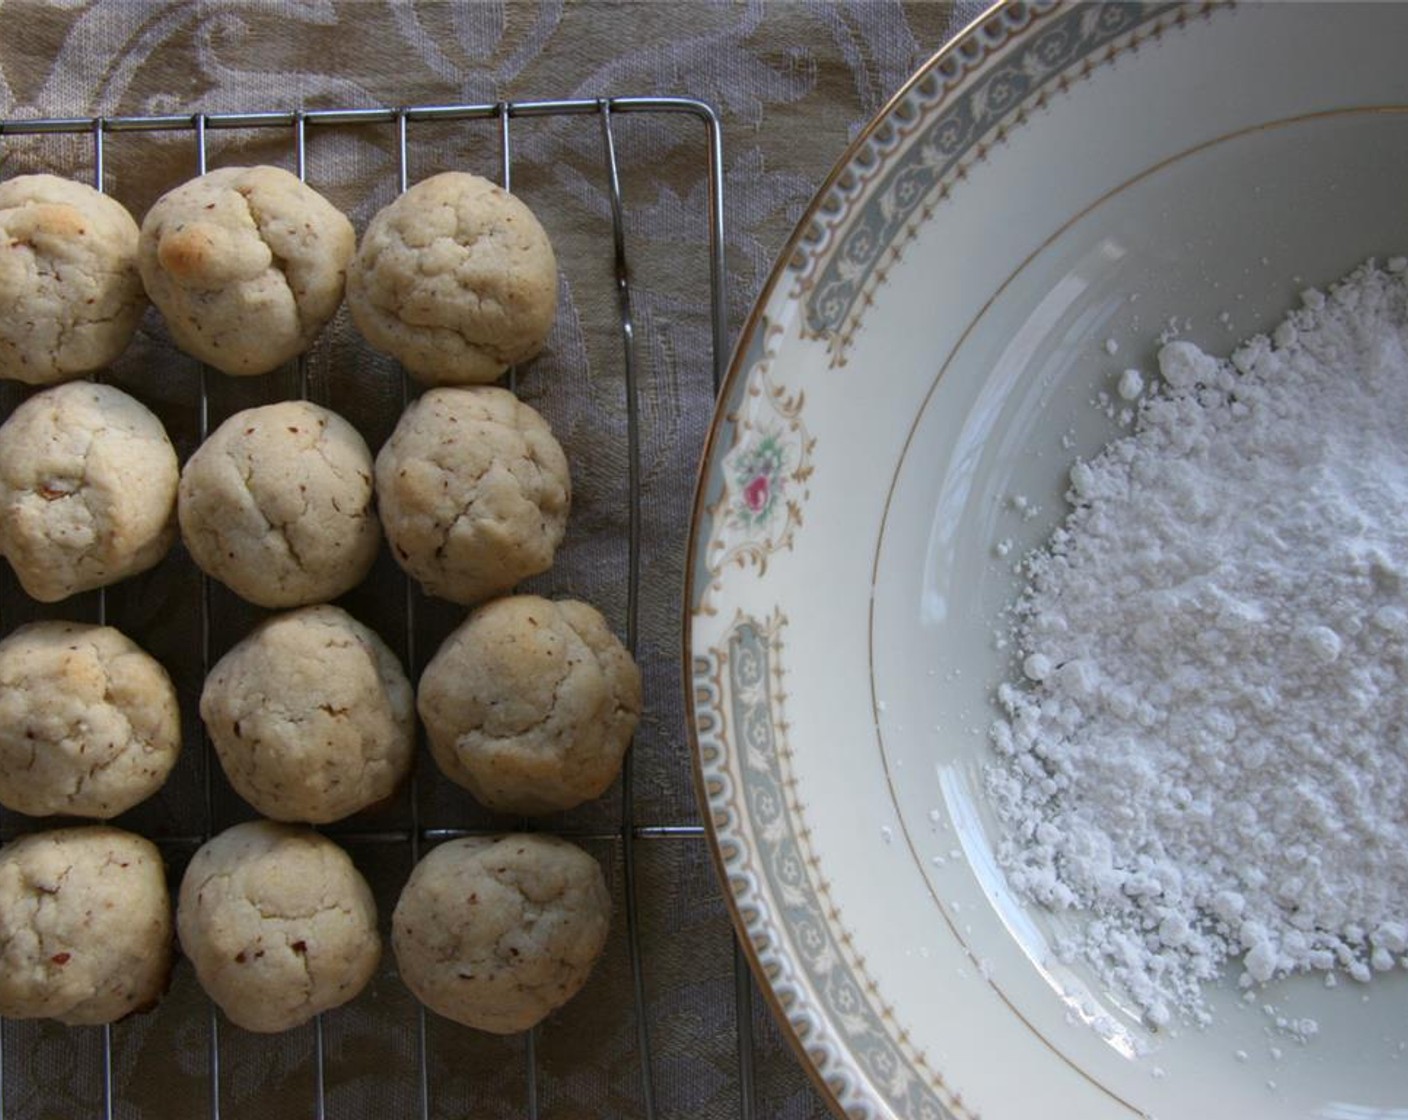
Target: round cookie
{"x":85,"y":926}
{"x":68,"y":279}
{"x":87,"y":489}
{"x":311,"y":716}
{"x":530,"y":704}
{"x":473,"y":492}
{"x":246,"y":265}
{"x":278,"y":924}
{"x":89,"y":723}
{"x":456,"y":279}
{"x":277,"y":504}
{"x":497,"y":932}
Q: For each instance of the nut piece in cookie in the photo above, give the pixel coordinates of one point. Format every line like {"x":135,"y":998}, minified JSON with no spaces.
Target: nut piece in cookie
{"x":530,"y":704}
{"x":68,"y":279}
{"x":497,"y":932}
{"x":311,"y":716}
{"x":246,"y":264}
{"x":89,"y":723}
{"x":85,"y":926}
{"x":277,"y":505}
{"x":456,"y":279}
{"x":278,"y":923}
{"x":473,"y":492}
{"x":87,"y":489}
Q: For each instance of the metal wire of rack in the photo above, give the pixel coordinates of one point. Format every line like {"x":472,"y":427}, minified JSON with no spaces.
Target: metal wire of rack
{"x":414,"y":833}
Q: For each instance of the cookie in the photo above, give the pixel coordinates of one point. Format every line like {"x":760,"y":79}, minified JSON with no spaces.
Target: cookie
{"x":277,"y":505}
{"x":85,"y":926}
{"x":311,"y":716}
{"x":497,"y":932}
{"x":87,"y":489}
{"x":278,"y":924}
{"x":246,"y":265}
{"x":530,"y":704}
{"x":456,"y":279}
{"x":68,"y":279}
{"x":89,"y":722}
{"x":473,"y":492}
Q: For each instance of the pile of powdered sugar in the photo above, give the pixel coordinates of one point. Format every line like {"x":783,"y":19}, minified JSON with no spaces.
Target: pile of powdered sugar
{"x":1208,"y":758}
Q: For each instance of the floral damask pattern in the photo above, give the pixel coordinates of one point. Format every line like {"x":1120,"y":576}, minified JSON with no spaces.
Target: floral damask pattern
{"x":794,"y":81}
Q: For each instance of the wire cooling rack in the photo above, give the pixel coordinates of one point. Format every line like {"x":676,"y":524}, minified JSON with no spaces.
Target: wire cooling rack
{"x":386,"y":1057}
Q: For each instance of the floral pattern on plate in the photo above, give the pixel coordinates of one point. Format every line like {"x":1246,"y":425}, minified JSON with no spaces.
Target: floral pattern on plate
{"x":757,"y":508}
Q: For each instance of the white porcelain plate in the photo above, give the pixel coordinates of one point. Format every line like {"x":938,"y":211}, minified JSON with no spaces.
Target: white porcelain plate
{"x":1018,"y":227}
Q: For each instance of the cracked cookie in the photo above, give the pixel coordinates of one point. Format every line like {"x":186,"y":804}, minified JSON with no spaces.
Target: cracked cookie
{"x":530,"y":704}
{"x":246,"y":265}
{"x":311,"y":716}
{"x":456,"y":279}
{"x":473,"y":492}
{"x":85,"y":926}
{"x":277,"y":505}
{"x":87,"y":489}
{"x":68,"y":279}
{"x":89,"y":723}
{"x":278,"y":923}
{"x":497,"y":932}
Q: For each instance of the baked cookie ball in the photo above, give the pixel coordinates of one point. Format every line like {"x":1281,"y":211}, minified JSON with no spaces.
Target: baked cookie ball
{"x":277,"y":505}
{"x":87,"y":489}
{"x":473,"y":492}
{"x":278,"y":924}
{"x":311,"y":716}
{"x":246,"y":265}
{"x":89,"y":723}
{"x":68,"y":279}
{"x":530,"y":704}
{"x":496,"y":932}
{"x":456,"y":279}
{"x":85,"y":926}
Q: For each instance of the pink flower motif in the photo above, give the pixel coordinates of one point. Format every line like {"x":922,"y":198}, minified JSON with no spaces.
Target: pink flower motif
{"x":755,"y":494}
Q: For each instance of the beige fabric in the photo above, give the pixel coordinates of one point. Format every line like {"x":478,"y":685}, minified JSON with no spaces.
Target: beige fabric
{"x":794,"y":81}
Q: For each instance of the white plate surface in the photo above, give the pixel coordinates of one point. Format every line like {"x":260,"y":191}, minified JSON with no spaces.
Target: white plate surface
{"x":909,"y":395}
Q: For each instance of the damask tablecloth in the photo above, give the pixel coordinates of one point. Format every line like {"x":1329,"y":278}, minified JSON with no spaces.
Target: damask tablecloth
{"x":793,"y":82}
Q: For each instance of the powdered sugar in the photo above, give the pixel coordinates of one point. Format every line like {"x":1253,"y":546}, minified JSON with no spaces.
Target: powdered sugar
{"x":1208,"y":757}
